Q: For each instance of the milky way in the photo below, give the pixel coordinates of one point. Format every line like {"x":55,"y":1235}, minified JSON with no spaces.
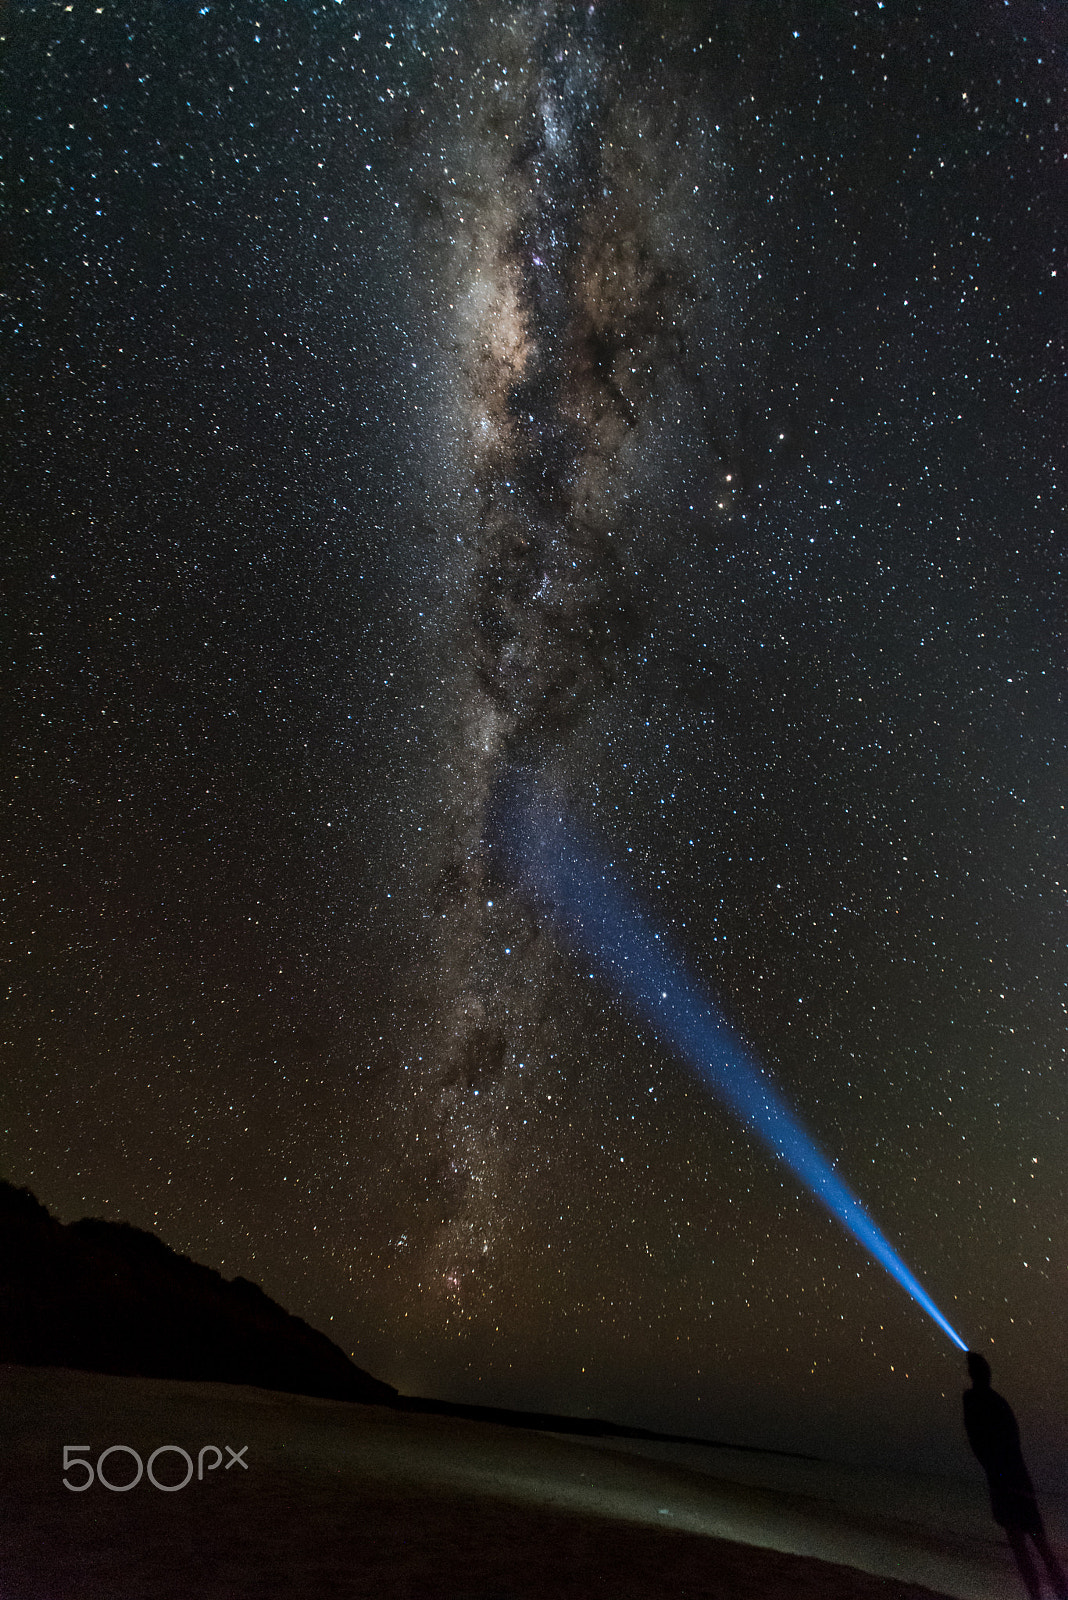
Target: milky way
{"x":575,"y":298}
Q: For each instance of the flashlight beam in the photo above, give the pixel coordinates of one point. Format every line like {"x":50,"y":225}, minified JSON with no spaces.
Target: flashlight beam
{"x":544,"y":853}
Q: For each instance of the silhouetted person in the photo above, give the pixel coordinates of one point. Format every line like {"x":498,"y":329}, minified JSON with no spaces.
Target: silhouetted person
{"x":995,"y":1439}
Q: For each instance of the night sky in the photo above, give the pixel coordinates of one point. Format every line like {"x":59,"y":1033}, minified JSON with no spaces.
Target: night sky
{"x":666,"y":397}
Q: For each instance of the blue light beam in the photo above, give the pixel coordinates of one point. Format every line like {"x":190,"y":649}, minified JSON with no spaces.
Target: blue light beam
{"x":544,"y":853}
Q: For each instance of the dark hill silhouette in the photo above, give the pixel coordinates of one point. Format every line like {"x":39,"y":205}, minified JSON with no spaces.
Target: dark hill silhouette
{"x":109,"y":1297}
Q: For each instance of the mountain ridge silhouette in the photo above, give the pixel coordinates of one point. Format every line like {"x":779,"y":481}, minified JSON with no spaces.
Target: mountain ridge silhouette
{"x":110,"y":1297}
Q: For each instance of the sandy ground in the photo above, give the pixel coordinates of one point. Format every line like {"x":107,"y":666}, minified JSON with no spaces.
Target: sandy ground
{"x":340,"y":1500}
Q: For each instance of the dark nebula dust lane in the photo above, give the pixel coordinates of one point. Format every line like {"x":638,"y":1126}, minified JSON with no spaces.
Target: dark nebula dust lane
{"x":578,"y":301}
{"x":663,"y":398}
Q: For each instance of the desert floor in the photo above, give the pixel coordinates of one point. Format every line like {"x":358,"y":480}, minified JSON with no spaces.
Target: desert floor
{"x":341,"y":1500}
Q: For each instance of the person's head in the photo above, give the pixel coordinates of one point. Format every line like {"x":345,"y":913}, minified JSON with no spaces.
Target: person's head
{"x":978,"y":1370}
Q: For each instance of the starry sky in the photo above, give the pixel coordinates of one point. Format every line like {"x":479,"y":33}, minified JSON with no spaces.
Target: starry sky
{"x":666,"y":397}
